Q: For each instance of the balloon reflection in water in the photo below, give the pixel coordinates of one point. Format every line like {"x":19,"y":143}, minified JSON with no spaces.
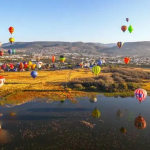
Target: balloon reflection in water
{"x":140,"y":122}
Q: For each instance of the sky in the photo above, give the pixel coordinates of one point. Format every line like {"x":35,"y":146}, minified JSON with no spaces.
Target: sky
{"x":74,"y":20}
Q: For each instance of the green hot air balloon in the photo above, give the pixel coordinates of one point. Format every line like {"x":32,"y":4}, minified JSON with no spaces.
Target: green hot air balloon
{"x":13,"y":51}
{"x":96,"y":70}
{"x":62,"y":58}
{"x":130,"y":29}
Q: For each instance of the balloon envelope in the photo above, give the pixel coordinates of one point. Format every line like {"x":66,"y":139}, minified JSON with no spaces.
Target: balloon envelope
{"x":124,"y":28}
{"x":34,"y":74}
{"x":11,"y":29}
{"x":140,"y":94}
{"x":120,"y":44}
{"x":126,"y":60}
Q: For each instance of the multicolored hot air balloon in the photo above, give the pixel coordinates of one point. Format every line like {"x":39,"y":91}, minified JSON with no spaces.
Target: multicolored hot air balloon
{"x":1,"y":53}
{"x":11,"y":30}
{"x":53,"y":59}
{"x":10,"y":51}
{"x":62,"y":58}
{"x":130,"y":29}
{"x":96,"y":70}
{"x":140,"y":94}
{"x":11,"y":40}
{"x":124,"y":28}
{"x":140,"y":122}
{"x":0,"y":44}
{"x":127,"y":19}
{"x":13,"y":51}
{"x":120,"y":44}
{"x":126,"y":60}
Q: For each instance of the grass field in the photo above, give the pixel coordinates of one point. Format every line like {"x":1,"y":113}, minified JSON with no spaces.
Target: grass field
{"x":20,"y":87}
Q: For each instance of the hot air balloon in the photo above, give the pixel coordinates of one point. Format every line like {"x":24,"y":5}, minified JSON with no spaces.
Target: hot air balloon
{"x":10,"y":51}
{"x":96,"y":113}
{"x":130,"y":29}
{"x":11,"y":40}
{"x":33,"y":66}
{"x":140,"y":94}
{"x":53,"y":58}
{"x":62,"y":58}
{"x":21,"y":65}
{"x":1,"y":53}
{"x":120,"y":44}
{"x":2,"y":81}
{"x":34,"y":74}
{"x":140,"y":122}
{"x":123,"y":130}
{"x":11,"y":30}
{"x":29,"y":63}
{"x":124,"y":28}
{"x":96,"y":70}
{"x":62,"y":101}
{"x":127,"y":19}
{"x":0,"y":44}
{"x":126,"y":60}
{"x":13,"y":51}
{"x":100,"y":62}
{"x":39,"y":65}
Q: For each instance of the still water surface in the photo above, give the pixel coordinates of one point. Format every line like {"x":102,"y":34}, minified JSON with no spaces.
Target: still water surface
{"x":39,"y":125}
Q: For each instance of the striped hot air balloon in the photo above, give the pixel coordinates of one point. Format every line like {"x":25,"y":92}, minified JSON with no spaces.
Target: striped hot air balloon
{"x":120,"y":44}
{"x":96,"y":70}
{"x":140,"y":94}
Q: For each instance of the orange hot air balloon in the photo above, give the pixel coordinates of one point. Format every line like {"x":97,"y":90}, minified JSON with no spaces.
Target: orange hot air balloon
{"x":53,"y":58}
{"x":124,"y":28}
{"x":11,"y":30}
{"x":126,"y":60}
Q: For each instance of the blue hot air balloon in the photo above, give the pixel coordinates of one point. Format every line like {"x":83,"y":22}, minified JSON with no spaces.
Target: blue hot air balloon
{"x":34,"y":74}
{"x":99,"y":62}
{"x":10,"y":51}
{"x":15,"y":69}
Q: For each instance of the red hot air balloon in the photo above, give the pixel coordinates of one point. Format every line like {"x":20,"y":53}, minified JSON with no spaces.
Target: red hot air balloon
{"x":1,"y":53}
{"x":126,"y":60}
{"x":127,"y":19}
{"x":140,"y":122}
{"x":53,"y":58}
{"x":124,"y":28}
{"x":11,"y":30}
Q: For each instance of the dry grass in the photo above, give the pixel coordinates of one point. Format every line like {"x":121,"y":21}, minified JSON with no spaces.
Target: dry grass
{"x":46,"y":81}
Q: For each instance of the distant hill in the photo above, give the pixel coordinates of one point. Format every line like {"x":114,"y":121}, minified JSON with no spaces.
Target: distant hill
{"x":129,"y":48}
{"x":79,"y":45}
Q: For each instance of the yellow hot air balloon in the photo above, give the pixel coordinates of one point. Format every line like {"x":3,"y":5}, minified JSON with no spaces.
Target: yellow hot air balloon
{"x":96,"y":70}
{"x":11,"y":40}
{"x":29,"y":63}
